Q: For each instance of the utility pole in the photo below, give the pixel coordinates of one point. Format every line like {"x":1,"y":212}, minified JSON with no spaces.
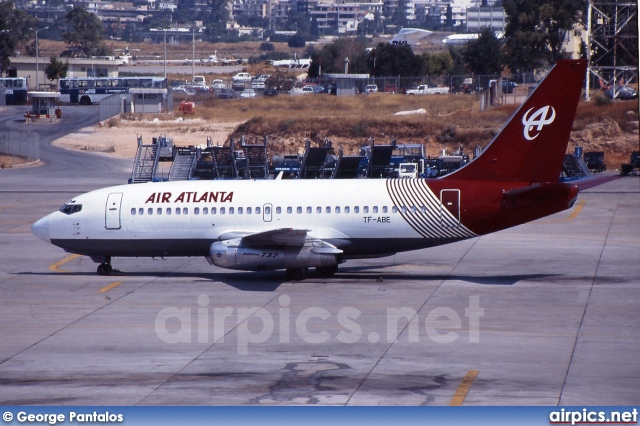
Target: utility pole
{"x":37,"y":56}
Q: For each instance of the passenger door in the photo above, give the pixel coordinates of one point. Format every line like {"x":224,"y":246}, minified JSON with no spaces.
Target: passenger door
{"x":112,"y":211}
{"x":450,"y":200}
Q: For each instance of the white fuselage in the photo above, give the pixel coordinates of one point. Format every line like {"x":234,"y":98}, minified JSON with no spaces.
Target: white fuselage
{"x":362,"y":217}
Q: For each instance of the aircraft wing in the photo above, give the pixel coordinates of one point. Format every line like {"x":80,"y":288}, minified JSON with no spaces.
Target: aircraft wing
{"x":280,"y":237}
{"x":283,"y":237}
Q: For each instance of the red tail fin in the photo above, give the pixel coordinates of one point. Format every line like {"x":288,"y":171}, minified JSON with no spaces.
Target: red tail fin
{"x":531,"y":146}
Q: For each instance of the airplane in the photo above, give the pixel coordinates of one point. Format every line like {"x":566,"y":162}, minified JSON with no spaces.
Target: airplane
{"x":295,"y":225}
{"x":126,"y":55}
{"x":292,"y":63}
{"x":410,"y":36}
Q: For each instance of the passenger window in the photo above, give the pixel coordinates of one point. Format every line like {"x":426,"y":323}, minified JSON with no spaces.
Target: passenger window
{"x":394,"y":209}
{"x":289,"y":210}
{"x":185,"y":210}
{"x":221,"y":210}
{"x":278,"y":210}
{"x":168,"y":210}
{"x":239,"y":210}
{"x":267,"y":209}
{"x":337,"y":209}
{"x":213,"y":210}
{"x":248,"y":210}
{"x":133,"y":211}
{"x":318,"y":209}
{"x":205,"y":210}
{"x":140,"y":211}
{"x":178,"y":211}
{"x":159,"y":210}
{"x":356,"y":209}
{"x":196,"y":210}
{"x":299,"y":210}
{"x":328,"y":209}
{"x":231,"y":209}
{"x":365,"y":209}
{"x":404,"y":209}
{"x":309,"y":210}
{"x":346,"y":209}
{"x":414,"y":209}
{"x":423,"y":209}
{"x":149,"y":211}
{"x":375,"y":209}
{"x":385,"y":209}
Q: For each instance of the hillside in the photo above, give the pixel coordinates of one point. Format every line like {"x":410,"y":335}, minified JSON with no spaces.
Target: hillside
{"x":448,"y":123}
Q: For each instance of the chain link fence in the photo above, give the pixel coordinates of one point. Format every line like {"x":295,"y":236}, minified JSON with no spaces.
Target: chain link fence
{"x":17,"y":146}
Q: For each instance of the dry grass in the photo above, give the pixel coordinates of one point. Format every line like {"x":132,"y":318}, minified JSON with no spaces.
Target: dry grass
{"x":350,"y":121}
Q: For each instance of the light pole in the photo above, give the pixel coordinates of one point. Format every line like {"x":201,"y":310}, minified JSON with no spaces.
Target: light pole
{"x":37,"y":60}
{"x":165,"y":53}
{"x":193,"y":52}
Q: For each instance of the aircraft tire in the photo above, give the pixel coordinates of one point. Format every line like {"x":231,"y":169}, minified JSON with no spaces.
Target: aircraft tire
{"x":296,"y":274}
{"x":326,"y":271}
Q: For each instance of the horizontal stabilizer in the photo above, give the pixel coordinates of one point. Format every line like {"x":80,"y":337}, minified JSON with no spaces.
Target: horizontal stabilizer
{"x":590,"y":182}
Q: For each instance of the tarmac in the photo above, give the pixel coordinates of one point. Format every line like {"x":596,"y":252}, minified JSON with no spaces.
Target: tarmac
{"x":545,"y":313}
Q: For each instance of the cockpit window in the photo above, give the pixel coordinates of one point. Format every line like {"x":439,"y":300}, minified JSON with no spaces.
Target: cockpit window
{"x":71,"y":208}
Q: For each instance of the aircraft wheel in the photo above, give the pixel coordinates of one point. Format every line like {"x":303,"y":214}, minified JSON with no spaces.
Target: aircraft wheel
{"x":104,"y":269}
{"x":327,"y":271}
{"x":296,"y":274}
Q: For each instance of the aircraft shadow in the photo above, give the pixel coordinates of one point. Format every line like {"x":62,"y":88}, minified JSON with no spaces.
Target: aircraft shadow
{"x":268,"y":281}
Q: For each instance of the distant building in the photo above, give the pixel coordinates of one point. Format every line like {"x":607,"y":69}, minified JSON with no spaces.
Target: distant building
{"x":481,"y":17}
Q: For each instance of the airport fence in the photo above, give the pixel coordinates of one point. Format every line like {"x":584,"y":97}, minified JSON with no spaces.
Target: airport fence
{"x":118,"y":103}
{"x":18,"y":146}
{"x":112,"y":106}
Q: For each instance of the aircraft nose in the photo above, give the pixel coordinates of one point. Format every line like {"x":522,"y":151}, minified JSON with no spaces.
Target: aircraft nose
{"x":41,"y":229}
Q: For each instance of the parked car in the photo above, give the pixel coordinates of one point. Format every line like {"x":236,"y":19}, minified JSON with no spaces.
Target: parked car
{"x":242,"y":76}
{"x":270,"y":92}
{"x":623,"y":93}
{"x":371,"y":88}
{"x":390,"y":88}
{"x":508,"y":86}
{"x":248,"y":93}
{"x":255,"y":84}
{"x":217,"y":84}
{"x":226,"y":94}
{"x":423,"y":89}
{"x":183,"y":90}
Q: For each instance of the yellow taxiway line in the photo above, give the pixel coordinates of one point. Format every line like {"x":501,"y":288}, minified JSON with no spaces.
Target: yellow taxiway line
{"x":577,"y":210}
{"x":56,"y":266}
{"x":109,"y":287}
{"x":464,"y":387}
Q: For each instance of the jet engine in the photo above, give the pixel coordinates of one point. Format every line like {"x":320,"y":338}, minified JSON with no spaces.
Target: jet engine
{"x":231,"y":254}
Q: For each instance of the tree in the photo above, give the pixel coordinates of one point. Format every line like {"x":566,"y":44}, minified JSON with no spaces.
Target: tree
{"x":395,"y":60}
{"x":56,"y":68}
{"x":536,"y":30}
{"x":296,"y":40}
{"x":16,"y":28}
{"x":84,"y":31}
{"x":438,"y":63}
{"x":483,"y":56}
{"x":331,"y":57}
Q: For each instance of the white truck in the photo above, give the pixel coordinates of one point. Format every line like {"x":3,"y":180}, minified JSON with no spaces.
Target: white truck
{"x":424,"y":89}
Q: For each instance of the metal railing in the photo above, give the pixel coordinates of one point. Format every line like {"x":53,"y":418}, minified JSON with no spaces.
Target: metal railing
{"x":18,"y":146}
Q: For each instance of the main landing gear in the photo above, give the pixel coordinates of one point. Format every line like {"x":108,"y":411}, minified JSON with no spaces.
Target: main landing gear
{"x":299,"y":274}
{"x":105,"y":267}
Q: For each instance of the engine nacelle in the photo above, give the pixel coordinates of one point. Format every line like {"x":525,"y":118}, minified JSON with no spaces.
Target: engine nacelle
{"x":231,"y":254}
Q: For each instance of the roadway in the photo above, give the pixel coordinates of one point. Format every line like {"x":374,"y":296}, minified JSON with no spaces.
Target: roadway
{"x":541,"y":314}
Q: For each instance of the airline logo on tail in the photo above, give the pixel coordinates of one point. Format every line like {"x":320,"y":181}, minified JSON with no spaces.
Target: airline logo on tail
{"x":537,"y":121}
